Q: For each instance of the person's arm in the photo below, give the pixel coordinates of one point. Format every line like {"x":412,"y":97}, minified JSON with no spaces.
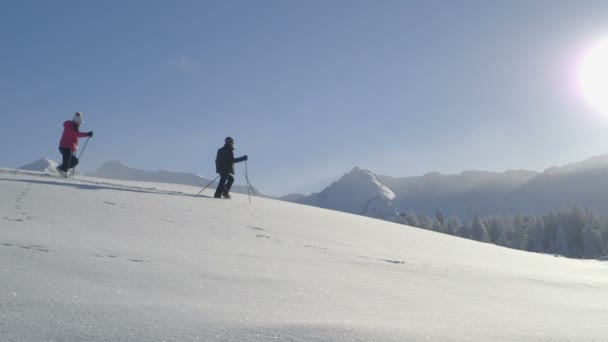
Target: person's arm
{"x":83,"y":134}
{"x":240,"y":159}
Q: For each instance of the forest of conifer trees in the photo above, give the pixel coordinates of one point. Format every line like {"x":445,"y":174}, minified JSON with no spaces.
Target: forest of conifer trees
{"x":573,"y":233}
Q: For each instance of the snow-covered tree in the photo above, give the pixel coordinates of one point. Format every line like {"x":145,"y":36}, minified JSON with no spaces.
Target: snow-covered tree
{"x":479,"y":231}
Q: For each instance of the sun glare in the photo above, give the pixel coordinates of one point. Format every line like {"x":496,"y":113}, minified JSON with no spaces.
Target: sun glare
{"x":593,"y":76}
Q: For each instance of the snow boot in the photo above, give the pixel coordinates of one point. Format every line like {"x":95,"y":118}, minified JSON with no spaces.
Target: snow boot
{"x":61,"y":172}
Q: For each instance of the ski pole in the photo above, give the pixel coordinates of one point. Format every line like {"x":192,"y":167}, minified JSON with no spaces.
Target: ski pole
{"x":248,"y":194}
{"x":80,"y":155}
{"x":247,"y":178}
{"x":251,"y":186}
{"x":206,"y":186}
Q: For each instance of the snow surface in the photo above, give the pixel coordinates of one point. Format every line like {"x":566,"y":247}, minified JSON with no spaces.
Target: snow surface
{"x":103,"y":260}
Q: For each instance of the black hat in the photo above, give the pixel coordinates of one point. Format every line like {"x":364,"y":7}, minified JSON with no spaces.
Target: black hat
{"x":228,"y":140}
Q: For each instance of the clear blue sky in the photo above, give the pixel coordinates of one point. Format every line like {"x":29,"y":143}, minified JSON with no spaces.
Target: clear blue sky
{"x":308,"y":89}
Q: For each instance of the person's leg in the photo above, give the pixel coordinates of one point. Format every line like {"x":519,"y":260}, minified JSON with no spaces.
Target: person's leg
{"x":220,"y":186}
{"x":228,"y":186}
{"x":74,"y":161}
{"x":66,"y":154}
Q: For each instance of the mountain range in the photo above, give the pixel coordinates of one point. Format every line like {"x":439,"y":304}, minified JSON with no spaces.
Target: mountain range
{"x":117,"y":170}
{"x":469,"y":193}
{"x":461,"y":195}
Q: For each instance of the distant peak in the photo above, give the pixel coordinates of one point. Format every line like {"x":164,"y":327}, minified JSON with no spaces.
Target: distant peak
{"x":365,"y":182}
{"x":597,"y":162}
{"x":357,"y":169}
{"x":362,"y":172}
{"x":114,"y":163}
{"x":42,"y":165}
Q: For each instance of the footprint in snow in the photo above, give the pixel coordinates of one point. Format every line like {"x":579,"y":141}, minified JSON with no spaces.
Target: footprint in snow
{"x":137,"y":260}
{"x":12,"y":219}
{"x":38,"y":248}
{"x":393,"y":261}
{"x":315,"y":247}
{"x":111,"y":256}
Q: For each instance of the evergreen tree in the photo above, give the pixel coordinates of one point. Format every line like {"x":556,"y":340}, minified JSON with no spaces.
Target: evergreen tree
{"x":507,"y":233}
{"x":436,"y":226}
{"x":453,"y":226}
{"x":424,"y":221}
{"x":494,"y":227}
{"x":521,"y":226}
{"x":411,"y":219}
{"x":564,"y":234}
{"x":569,"y":232}
{"x":592,"y":242}
{"x":479,"y":231}
{"x":578,"y":222}
{"x":551,"y":227}
{"x":536,"y":236}
{"x":439,"y":217}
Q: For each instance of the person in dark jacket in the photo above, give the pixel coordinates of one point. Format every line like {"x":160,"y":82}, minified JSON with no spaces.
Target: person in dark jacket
{"x":69,"y":143}
{"x":224,"y":165}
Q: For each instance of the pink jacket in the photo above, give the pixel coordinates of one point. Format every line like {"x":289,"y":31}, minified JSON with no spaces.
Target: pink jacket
{"x":70,"y":136}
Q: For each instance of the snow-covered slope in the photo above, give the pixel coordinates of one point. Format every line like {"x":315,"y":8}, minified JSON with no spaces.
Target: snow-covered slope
{"x":357,"y":192}
{"x":96,"y":260}
{"x":117,"y":170}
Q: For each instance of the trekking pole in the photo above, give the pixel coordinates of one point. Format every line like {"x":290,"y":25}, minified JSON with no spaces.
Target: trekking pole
{"x":251,"y":186}
{"x":248,"y":182}
{"x":79,"y":156}
{"x":206,"y":186}
{"x":248,"y":194}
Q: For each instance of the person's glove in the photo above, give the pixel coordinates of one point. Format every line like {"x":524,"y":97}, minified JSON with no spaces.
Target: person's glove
{"x":90,"y":134}
{"x":245,"y":157}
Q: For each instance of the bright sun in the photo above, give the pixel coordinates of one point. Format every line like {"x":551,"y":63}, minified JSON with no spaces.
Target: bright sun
{"x":593,"y":76}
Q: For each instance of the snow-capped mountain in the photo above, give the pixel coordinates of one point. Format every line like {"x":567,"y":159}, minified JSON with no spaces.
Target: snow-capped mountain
{"x":117,"y":170}
{"x":41,"y":165}
{"x":85,"y":259}
{"x":357,"y":192}
{"x":470,"y":192}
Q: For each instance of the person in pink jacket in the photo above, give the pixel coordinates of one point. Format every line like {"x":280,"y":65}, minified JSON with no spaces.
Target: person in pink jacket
{"x":69,"y":142}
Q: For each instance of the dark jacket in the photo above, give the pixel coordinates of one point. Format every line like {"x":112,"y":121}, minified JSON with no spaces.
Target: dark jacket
{"x":224,"y":162}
